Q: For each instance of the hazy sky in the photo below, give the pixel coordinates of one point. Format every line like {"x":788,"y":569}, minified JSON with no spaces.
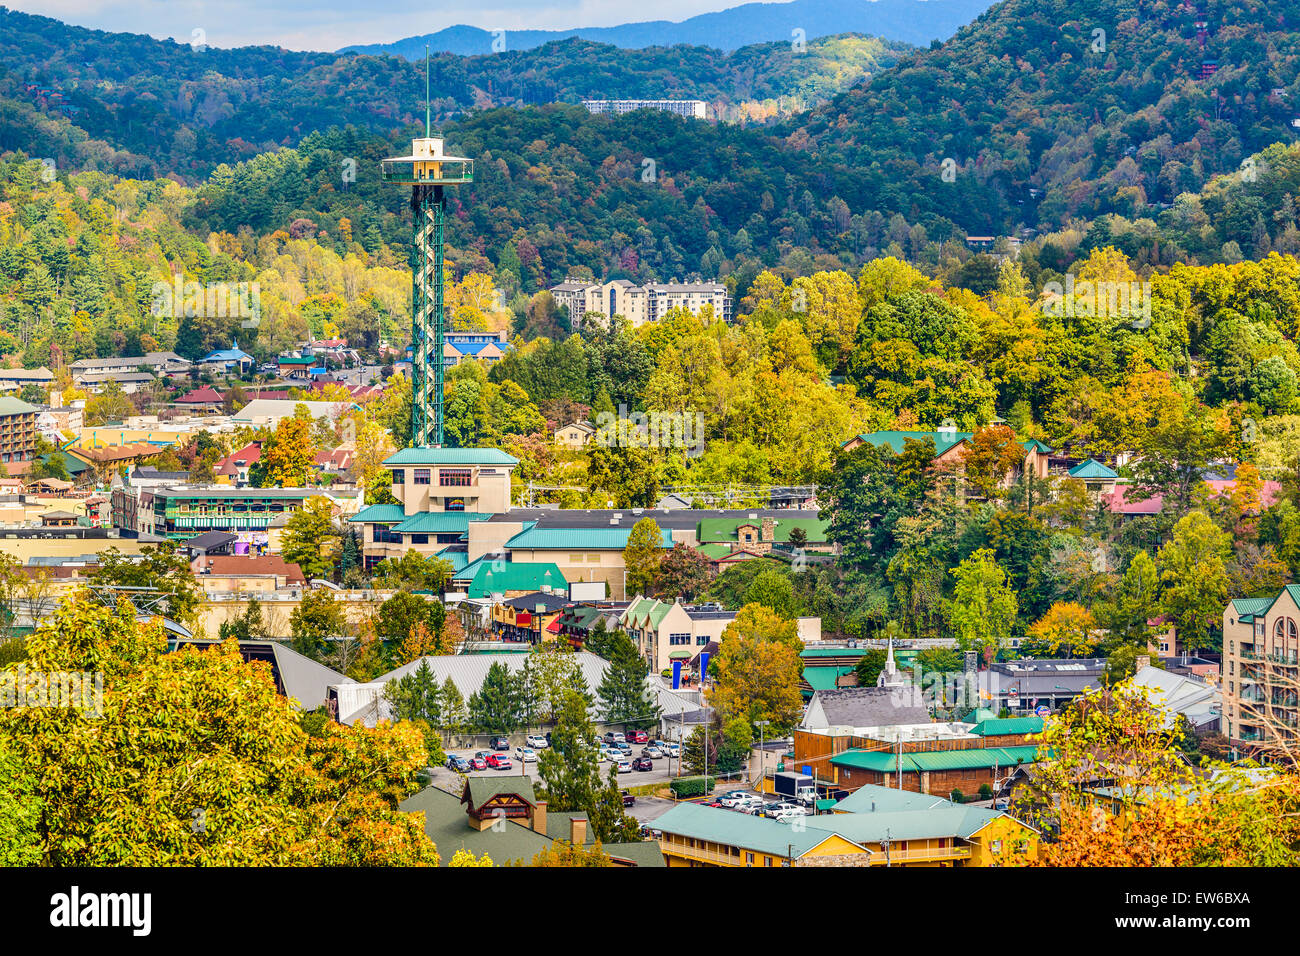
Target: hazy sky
{"x":330,"y":24}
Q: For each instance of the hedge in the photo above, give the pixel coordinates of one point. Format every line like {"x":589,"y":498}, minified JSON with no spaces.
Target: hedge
{"x":692,"y":786}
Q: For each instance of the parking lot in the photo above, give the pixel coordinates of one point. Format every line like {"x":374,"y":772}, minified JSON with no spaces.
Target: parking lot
{"x":665,"y":768}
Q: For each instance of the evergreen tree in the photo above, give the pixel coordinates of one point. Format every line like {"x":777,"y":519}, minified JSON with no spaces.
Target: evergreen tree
{"x":494,"y":709}
{"x":452,"y":708}
{"x":624,"y":694}
{"x":416,"y":696}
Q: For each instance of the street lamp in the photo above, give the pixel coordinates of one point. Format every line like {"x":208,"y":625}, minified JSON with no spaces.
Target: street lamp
{"x":762,"y":754}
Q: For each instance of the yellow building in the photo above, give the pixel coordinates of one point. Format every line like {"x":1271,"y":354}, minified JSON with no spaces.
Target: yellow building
{"x":876,"y":827}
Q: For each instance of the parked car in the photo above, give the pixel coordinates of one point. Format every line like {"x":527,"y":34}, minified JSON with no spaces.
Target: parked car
{"x":624,"y":766}
{"x":638,"y":737}
{"x":537,"y":741}
{"x":477,"y":763}
{"x":500,"y":743}
{"x":525,"y":755}
{"x":671,"y":749}
{"x":624,"y":748}
{"x":482,"y":754}
{"x":714,"y":803}
{"x":458,"y":764}
{"x":653,"y":752}
{"x":733,"y":797}
{"x":614,"y":737}
{"x":643,"y":763}
{"x":628,"y":799}
{"x":499,"y":762}
{"x":780,"y":811}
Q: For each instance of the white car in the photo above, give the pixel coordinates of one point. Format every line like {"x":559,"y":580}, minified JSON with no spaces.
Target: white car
{"x":536,"y":741}
{"x":624,"y":766}
{"x":525,"y":755}
{"x":734,"y":800}
{"x":671,"y":749}
{"x":784,"y":811}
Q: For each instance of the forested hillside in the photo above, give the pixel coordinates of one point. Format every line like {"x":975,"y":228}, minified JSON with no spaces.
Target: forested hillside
{"x":181,"y":110}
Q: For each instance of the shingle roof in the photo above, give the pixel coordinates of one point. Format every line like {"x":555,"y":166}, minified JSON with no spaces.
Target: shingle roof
{"x":871,"y":706}
{"x":483,"y":789}
{"x":447,"y":826}
{"x":16,"y":406}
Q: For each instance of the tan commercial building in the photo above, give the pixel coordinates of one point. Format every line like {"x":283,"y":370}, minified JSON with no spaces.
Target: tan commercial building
{"x":441,"y":492}
{"x":638,"y":304}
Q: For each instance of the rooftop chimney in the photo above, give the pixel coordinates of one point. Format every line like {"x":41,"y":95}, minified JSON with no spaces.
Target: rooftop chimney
{"x":578,"y":831}
{"x":1142,"y":661}
{"x":539,"y":817}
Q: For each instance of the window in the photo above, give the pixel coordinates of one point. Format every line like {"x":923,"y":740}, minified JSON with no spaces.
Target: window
{"x":454,"y":504}
{"x":701,"y":639}
{"x":455,"y":477}
{"x":399,"y":476}
{"x":749,"y":859}
{"x":422,"y":476}
{"x":419,"y":539}
{"x":385,"y":534}
{"x":676,"y":639}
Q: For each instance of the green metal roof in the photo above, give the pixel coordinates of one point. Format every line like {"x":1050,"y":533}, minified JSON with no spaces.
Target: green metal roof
{"x":884,"y":761}
{"x":874,"y":798}
{"x":757,"y":834}
{"x":440,"y":522}
{"x":446,"y":824}
{"x":15,"y":406}
{"x":578,"y":539}
{"x":833,"y":651}
{"x":296,"y":360}
{"x":457,"y":559}
{"x":1092,"y":469}
{"x":823,"y":678}
{"x":486,"y":580}
{"x":1008,"y":725}
{"x":384,"y":514}
{"x":714,"y":530}
{"x":450,"y":456}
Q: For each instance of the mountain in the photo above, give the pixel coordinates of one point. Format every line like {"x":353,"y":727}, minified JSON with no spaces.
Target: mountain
{"x":165,"y":108}
{"x":916,"y":22}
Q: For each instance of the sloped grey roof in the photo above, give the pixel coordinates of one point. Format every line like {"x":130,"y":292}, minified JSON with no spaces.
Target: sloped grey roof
{"x":305,"y":680}
{"x":866,"y":707}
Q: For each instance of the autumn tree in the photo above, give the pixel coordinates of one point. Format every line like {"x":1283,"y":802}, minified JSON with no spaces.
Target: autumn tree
{"x":192,"y":758}
{"x":288,"y":456}
{"x":310,"y":539}
{"x":683,"y":573}
{"x":757,"y":669}
{"x":1066,"y":630}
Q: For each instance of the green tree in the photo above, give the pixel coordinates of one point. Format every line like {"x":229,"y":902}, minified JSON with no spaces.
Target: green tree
{"x":249,"y":626}
{"x":772,"y":589}
{"x":642,"y":556}
{"x":163,"y":568}
{"x":494,"y":708}
{"x":625,"y":696}
{"x":1194,"y":578}
{"x":1136,"y":600}
{"x":316,"y":623}
{"x":983,"y":605}
{"x":568,"y":768}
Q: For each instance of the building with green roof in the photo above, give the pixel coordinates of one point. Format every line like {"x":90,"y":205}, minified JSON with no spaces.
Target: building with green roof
{"x":897,"y":832}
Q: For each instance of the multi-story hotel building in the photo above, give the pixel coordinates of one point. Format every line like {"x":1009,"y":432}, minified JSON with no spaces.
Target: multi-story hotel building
{"x":17,"y":429}
{"x":693,"y":109}
{"x":638,"y":304}
{"x":1261,"y":668}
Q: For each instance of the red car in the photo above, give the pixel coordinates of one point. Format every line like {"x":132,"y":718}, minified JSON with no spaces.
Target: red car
{"x":499,"y":762}
{"x":476,"y":763}
{"x":643,"y":763}
{"x":638,"y":737}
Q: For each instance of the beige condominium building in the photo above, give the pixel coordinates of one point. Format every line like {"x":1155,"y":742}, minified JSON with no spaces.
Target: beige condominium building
{"x":638,"y":304}
{"x":1261,"y":668}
